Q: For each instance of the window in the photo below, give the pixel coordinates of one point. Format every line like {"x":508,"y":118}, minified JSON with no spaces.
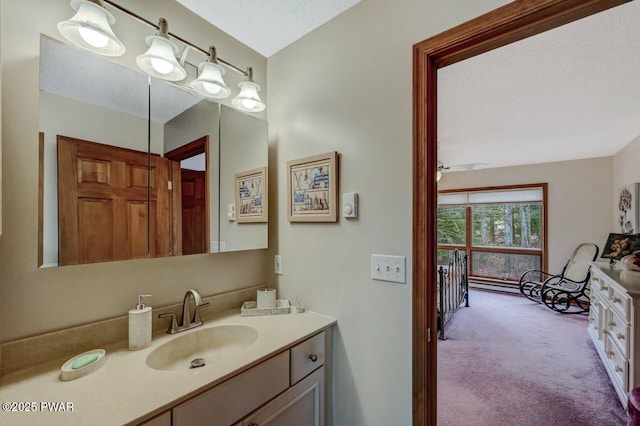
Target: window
{"x":502,"y":229}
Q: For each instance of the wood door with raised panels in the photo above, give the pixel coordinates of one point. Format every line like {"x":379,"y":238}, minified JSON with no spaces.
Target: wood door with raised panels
{"x":193,"y":211}
{"x":102,"y":202}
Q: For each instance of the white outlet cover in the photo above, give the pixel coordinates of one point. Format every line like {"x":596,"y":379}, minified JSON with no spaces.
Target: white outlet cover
{"x":277,"y":264}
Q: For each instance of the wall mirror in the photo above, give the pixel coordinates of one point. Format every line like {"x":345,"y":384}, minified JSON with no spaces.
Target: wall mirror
{"x":243,"y":181}
{"x":101,"y":126}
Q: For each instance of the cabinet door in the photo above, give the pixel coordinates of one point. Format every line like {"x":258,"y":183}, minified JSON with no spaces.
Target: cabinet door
{"x":232,"y":400}
{"x":301,"y":405}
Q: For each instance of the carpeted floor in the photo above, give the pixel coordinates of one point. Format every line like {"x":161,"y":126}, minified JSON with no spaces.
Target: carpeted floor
{"x":509,"y":361}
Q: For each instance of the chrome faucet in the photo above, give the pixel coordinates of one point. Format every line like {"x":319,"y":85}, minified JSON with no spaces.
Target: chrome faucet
{"x":187,"y":321}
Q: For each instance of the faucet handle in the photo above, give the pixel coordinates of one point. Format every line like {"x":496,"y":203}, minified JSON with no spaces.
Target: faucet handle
{"x":196,"y":313}
{"x":173,"y":326}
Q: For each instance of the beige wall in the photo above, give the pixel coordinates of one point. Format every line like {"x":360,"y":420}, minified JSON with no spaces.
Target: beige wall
{"x":38,"y":300}
{"x":347,"y":86}
{"x":579,"y":199}
{"x":625,"y":172}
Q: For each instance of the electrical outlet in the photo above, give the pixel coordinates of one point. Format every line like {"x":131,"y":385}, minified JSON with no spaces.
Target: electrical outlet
{"x":388,"y":268}
{"x":277,"y":264}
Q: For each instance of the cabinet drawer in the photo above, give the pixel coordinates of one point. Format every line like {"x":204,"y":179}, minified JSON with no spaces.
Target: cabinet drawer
{"x":618,"y":329}
{"x":617,"y":364}
{"x":163,"y":419}
{"x":228,"y":402}
{"x":595,"y":318}
{"x":621,"y":302}
{"x":595,"y":284}
{"x":306,"y":357}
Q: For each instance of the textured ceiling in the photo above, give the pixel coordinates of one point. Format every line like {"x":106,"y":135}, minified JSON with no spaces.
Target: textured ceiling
{"x":268,"y":26}
{"x":569,"y":93}
{"x":93,"y":79}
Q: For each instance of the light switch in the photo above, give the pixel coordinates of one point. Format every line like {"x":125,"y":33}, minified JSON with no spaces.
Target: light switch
{"x":277,"y":264}
{"x":231,"y":212}
{"x":350,"y":205}
{"x":388,"y":268}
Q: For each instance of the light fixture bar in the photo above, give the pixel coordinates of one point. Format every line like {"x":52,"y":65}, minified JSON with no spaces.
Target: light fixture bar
{"x":188,"y":43}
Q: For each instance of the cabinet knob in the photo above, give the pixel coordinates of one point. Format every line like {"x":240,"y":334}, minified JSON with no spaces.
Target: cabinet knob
{"x":617,"y":300}
{"x":620,"y":336}
{"x":313,"y":357}
{"x":612,"y":324}
{"x":619,"y":369}
{"x":253,"y":424}
{"x":604,"y":287}
{"x":609,"y":354}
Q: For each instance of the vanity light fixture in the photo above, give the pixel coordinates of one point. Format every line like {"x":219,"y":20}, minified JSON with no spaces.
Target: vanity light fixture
{"x":90,"y":28}
{"x":210,"y":82}
{"x":248,"y":99}
{"x":160,"y":60}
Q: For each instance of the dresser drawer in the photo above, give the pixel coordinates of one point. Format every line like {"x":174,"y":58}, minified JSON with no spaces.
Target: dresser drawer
{"x":621,"y":302}
{"x":618,"y":330}
{"x":595,"y":284}
{"x":617,"y":364}
{"x":596,"y":313}
{"x":306,"y":357}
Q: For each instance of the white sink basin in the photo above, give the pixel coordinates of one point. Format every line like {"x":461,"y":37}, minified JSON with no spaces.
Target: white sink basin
{"x":211,"y":343}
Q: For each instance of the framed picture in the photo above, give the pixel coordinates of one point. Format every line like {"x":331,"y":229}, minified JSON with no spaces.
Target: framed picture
{"x":620,"y":245}
{"x":312,"y":188}
{"x":251,"y":196}
{"x":627,"y":200}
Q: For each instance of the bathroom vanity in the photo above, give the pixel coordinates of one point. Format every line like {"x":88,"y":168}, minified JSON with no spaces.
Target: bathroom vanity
{"x":284,"y":374}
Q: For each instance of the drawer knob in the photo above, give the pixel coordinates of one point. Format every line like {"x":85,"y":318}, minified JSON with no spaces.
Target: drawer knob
{"x":609,"y":354}
{"x":253,"y":424}
{"x":620,"y":336}
{"x":617,"y":300}
{"x":313,"y":357}
{"x":619,"y":369}
{"x":612,"y":324}
{"x":604,"y":287}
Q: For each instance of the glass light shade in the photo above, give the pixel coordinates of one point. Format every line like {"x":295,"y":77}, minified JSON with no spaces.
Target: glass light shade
{"x":248,"y":99}
{"x":210,"y":82}
{"x":160,"y":60}
{"x":90,"y":29}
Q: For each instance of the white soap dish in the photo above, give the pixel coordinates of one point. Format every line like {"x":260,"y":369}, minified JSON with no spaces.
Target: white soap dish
{"x":250,"y":308}
{"x":86,"y":363}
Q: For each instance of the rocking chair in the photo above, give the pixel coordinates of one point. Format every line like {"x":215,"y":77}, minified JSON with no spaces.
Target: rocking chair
{"x":566,"y":292}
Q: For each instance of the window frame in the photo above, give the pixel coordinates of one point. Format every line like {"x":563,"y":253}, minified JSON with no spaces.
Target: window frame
{"x":468,"y":247}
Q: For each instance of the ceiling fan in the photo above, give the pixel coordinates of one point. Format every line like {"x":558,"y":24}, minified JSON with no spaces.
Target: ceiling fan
{"x":458,"y":168}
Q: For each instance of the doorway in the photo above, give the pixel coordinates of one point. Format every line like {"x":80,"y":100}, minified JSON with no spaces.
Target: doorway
{"x":189,"y":171}
{"x":508,"y":24}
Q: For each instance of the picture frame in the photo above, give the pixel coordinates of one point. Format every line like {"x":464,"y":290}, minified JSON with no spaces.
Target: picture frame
{"x":628,"y":209}
{"x":251,"y":193}
{"x":620,"y":245}
{"x":312,"y":188}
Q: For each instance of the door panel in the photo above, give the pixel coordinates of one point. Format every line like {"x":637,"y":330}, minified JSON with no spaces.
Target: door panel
{"x":102,"y":202}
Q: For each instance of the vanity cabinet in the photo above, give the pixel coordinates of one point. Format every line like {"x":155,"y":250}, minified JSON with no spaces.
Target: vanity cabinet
{"x":615,"y":304}
{"x":288,"y":388}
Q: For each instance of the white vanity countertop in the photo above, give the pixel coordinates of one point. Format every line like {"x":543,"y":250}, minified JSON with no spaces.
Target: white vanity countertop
{"x":125,"y":389}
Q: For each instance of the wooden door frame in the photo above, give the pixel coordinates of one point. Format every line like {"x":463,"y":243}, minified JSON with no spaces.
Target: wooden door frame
{"x":198,"y":146}
{"x":510,"y":23}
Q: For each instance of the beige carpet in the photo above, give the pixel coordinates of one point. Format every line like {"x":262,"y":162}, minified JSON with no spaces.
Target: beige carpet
{"x":510,"y":361}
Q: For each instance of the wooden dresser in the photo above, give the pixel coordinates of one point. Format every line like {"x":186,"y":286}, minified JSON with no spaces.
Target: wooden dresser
{"x":615,"y":306}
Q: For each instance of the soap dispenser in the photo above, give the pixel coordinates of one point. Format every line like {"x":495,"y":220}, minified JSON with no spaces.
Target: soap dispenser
{"x":140,"y":325}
